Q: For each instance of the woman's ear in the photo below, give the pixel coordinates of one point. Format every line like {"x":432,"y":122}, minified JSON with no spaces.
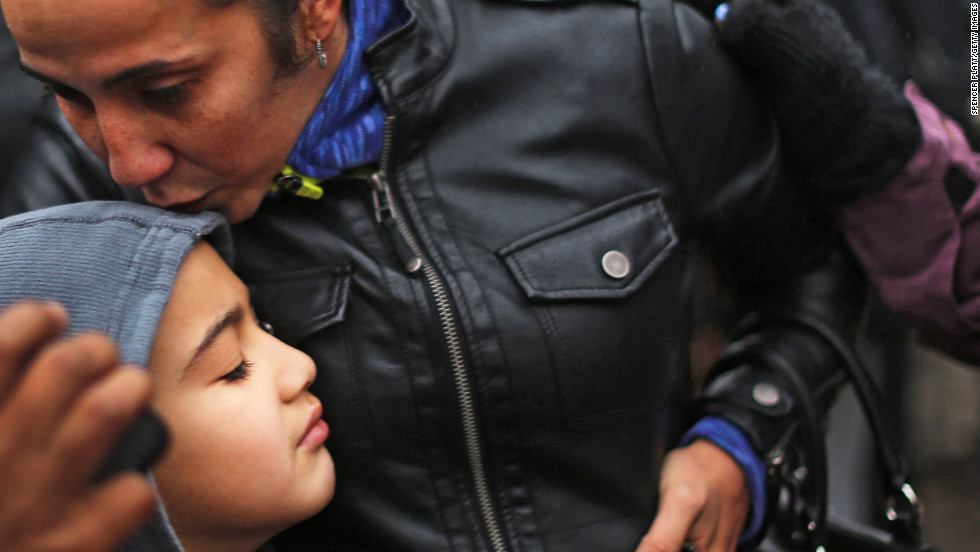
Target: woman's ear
{"x":320,"y":21}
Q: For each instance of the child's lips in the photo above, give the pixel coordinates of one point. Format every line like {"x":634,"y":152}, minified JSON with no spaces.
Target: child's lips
{"x":316,"y":429}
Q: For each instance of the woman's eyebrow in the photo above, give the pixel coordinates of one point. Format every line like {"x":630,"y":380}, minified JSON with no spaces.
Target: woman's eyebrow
{"x":232,"y":317}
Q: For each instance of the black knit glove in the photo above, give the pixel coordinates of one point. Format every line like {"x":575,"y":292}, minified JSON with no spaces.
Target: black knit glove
{"x":847,"y":128}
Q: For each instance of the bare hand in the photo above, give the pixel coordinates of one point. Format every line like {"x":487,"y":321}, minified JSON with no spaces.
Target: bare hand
{"x":703,"y":501}
{"x":62,"y":405}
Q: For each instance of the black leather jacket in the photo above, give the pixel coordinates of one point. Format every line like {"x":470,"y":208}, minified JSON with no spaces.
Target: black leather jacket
{"x":500,"y":315}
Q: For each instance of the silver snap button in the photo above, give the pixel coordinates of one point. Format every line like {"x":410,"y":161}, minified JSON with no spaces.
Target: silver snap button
{"x":766,"y":394}
{"x":615,"y":264}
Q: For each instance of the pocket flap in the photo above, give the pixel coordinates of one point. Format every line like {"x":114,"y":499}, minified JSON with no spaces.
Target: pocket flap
{"x":603,"y":254}
{"x":300,"y":303}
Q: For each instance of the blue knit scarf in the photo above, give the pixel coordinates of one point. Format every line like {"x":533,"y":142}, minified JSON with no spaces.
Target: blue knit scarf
{"x":347,"y":129}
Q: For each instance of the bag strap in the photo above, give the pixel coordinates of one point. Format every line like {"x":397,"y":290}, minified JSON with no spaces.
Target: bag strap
{"x":902,"y":509}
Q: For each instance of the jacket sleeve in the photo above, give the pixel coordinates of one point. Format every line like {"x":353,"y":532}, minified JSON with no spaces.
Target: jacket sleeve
{"x":800,"y":291}
{"x":54,"y":167}
{"x":918,"y":239}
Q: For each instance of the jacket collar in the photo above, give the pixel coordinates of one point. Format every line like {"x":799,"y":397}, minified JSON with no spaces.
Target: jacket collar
{"x":414,"y":55}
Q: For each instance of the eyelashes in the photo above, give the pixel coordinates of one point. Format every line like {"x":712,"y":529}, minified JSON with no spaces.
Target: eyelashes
{"x":169,"y":95}
{"x":240,"y":372}
{"x":162,"y":97}
{"x":244,"y":368}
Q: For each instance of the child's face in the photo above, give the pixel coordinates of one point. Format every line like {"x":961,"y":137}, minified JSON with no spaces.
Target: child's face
{"x":247,"y":456}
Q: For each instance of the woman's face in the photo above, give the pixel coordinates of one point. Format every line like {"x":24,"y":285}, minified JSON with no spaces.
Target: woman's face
{"x":179,"y":98}
{"x":247,"y":457}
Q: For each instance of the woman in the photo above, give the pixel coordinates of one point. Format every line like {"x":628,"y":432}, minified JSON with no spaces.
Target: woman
{"x":494,"y":234}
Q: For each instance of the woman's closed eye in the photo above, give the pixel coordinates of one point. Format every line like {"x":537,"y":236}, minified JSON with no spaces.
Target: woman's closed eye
{"x":168,"y":95}
{"x":240,"y":372}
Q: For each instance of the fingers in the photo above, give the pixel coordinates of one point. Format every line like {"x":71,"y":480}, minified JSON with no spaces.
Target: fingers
{"x":680,"y":506}
{"x":63,"y":404}
{"x":729,"y":498}
{"x":59,"y":375}
{"x":24,"y":329}
{"x":105,"y":517}
{"x":99,"y":419}
{"x":703,"y":501}
{"x":726,"y":538}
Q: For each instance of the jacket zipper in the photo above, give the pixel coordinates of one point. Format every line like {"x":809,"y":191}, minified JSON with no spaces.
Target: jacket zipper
{"x":409,"y":251}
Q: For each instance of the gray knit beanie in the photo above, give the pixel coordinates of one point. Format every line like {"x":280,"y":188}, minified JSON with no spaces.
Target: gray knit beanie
{"x":112,"y":264}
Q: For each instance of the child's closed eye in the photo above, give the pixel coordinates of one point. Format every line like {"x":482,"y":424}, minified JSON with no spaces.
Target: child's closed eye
{"x":240,"y":372}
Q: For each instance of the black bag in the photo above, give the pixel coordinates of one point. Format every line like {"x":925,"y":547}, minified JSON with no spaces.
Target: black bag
{"x":801,"y":522}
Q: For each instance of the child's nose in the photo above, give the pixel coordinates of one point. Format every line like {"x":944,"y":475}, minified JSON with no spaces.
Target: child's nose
{"x":296,"y":373}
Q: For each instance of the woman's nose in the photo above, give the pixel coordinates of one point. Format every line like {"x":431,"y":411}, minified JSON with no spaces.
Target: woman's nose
{"x":134,"y":156}
{"x":296,"y":373}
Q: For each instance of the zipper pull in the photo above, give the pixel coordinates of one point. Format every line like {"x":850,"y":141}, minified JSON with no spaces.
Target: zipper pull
{"x":384,"y":214}
{"x":381,"y":194}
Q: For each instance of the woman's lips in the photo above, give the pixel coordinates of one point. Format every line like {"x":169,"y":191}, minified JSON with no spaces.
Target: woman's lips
{"x":316,"y":429}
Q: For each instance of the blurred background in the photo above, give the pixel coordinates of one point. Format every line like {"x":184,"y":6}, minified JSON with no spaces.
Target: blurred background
{"x":934,"y":401}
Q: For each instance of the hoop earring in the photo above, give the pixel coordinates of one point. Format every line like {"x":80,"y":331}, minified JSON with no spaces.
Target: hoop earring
{"x":321,"y":55}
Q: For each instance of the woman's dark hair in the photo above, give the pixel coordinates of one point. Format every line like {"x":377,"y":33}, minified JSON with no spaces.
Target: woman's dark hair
{"x":277,"y":19}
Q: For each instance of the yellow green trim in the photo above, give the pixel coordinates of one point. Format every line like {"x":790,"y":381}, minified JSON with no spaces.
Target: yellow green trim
{"x":309,"y":187}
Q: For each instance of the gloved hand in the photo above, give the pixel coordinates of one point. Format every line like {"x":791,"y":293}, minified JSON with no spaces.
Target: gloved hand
{"x":846,"y":127}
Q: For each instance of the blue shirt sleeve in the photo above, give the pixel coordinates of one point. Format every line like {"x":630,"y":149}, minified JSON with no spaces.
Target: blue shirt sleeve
{"x":731,"y":439}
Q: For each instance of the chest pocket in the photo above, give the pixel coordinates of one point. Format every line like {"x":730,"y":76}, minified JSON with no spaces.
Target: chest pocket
{"x":299,"y":304}
{"x":605,"y":291}
{"x":604,"y":254}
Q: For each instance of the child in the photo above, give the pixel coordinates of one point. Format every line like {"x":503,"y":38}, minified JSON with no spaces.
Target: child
{"x":246,"y":458}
